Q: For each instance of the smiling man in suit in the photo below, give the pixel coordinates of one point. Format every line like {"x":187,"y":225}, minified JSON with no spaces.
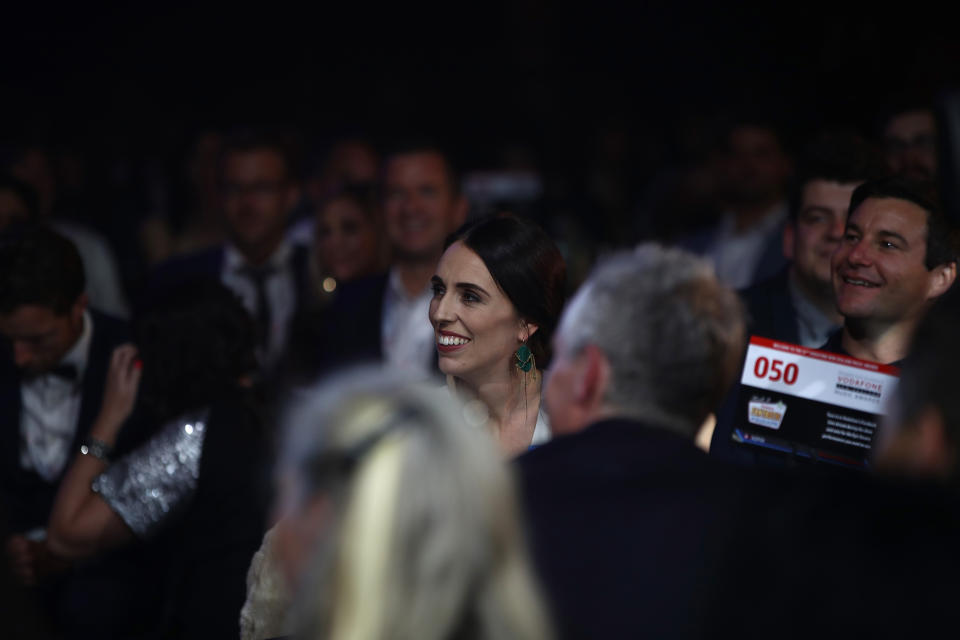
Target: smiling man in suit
{"x":383,"y":318}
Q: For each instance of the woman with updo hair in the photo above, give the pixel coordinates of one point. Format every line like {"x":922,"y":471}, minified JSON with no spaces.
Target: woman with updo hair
{"x":497,"y":296}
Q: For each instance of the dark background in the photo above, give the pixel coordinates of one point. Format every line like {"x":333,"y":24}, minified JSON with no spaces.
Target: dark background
{"x":471,"y":71}
{"x":599,"y":98}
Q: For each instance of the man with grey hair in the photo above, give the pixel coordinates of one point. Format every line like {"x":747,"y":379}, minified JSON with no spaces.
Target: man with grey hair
{"x":626,"y":514}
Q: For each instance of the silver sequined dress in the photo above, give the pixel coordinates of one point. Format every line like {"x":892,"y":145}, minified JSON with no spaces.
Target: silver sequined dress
{"x":150,"y":486}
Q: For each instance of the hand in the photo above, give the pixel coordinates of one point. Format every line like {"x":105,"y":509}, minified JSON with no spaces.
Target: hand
{"x":31,"y":560}
{"x":123,"y":380}
{"x":21,"y":553}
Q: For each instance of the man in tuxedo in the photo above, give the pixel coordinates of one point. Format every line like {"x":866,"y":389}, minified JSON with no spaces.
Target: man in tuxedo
{"x":54,"y":357}
{"x":626,"y":514}
{"x":56,"y":353}
{"x":384,"y":318}
{"x":259,"y":188}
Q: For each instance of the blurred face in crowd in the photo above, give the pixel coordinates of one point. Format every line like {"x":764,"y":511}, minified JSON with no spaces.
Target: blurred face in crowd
{"x":919,"y":447}
{"x":878,"y":271}
{"x":810,"y":240}
{"x":40,"y":337}
{"x":11,"y":208}
{"x":36,"y":169}
{"x":756,"y":166}
{"x":910,"y":144}
{"x":257,"y":196}
{"x":421,"y":207}
{"x":476,"y":327}
{"x":348,"y":240}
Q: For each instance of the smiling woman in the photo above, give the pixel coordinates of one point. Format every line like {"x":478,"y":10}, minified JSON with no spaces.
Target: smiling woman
{"x":497,"y":295}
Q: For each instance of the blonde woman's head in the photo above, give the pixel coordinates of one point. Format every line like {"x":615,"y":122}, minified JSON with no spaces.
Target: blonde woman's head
{"x":403,"y":518}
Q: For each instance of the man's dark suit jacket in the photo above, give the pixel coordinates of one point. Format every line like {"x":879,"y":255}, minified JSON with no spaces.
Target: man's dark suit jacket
{"x":626,"y":525}
{"x":28,"y":497}
{"x":770,"y":310}
{"x":352,"y":328}
{"x":771,"y":259}
{"x":208,"y":264}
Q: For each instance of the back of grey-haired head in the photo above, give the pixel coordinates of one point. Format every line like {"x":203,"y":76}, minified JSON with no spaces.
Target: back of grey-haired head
{"x":671,"y":332}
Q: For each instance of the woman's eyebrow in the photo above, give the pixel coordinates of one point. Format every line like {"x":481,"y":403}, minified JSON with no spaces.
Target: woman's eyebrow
{"x":475,"y":287}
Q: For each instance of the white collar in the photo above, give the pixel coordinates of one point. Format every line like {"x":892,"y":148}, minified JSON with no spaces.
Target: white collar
{"x":776,"y":215}
{"x":79,"y":353}
{"x":234,"y":260}
{"x":397,"y":290}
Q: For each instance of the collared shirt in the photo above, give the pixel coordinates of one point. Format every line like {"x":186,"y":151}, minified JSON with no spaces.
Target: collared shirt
{"x":406,"y":333}
{"x":281,"y":287}
{"x":50,"y":406}
{"x":813,"y":326}
{"x":735,"y":254}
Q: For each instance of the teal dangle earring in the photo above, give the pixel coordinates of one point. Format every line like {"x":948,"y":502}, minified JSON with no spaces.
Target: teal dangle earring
{"x":525,"y":360}
{"x":525,"y":363}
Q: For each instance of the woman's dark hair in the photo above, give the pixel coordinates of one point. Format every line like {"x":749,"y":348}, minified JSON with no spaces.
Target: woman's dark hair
{"x":527,"y":266}
{"x":196,"y":342}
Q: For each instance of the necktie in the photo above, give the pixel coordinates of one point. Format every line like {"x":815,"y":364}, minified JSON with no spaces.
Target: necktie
{"x":258,"y":276}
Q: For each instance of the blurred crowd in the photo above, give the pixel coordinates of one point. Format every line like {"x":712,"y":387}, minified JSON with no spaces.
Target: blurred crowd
{"x":268,"y":386}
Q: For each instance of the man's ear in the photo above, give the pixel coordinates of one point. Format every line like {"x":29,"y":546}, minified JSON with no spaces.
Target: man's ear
{"x":941,"y":279}
{"x":593,"y":377}
{"x":79,"y":306}
{"x":789,"y":236}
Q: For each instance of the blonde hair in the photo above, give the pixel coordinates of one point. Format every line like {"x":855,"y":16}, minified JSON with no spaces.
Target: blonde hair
{"x":425,"y":541}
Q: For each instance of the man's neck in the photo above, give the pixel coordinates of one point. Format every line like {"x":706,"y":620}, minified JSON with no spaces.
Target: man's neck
{"x":748,"y":214}
{"x":259,"y":255}
{"x":820,"y":296}
{"x":415,"y":275}
{"x":884,"y":343}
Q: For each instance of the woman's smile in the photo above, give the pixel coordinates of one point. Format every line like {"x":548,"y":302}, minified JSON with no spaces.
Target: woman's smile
{"x":448,"y":342}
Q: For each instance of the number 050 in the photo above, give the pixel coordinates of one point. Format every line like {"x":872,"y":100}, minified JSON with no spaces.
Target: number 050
{"x":775,"y":371}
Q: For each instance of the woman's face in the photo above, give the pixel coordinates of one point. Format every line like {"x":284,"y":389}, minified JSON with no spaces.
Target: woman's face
{"x":476,"y":327}
{"x":346,"y":240}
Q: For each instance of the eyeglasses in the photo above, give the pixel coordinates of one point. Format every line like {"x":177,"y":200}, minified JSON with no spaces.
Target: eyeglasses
{"x":922,"y":142}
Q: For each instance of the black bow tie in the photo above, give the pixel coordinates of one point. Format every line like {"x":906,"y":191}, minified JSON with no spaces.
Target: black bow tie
{"x":65,"y":371}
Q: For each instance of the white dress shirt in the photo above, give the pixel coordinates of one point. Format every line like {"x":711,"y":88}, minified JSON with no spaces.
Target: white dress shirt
{"x":405,"y":331}
{"x":281,"y":288}
{"x":735,"y":254}
{"x":50,"y":407}
{"x":813,"y":326}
